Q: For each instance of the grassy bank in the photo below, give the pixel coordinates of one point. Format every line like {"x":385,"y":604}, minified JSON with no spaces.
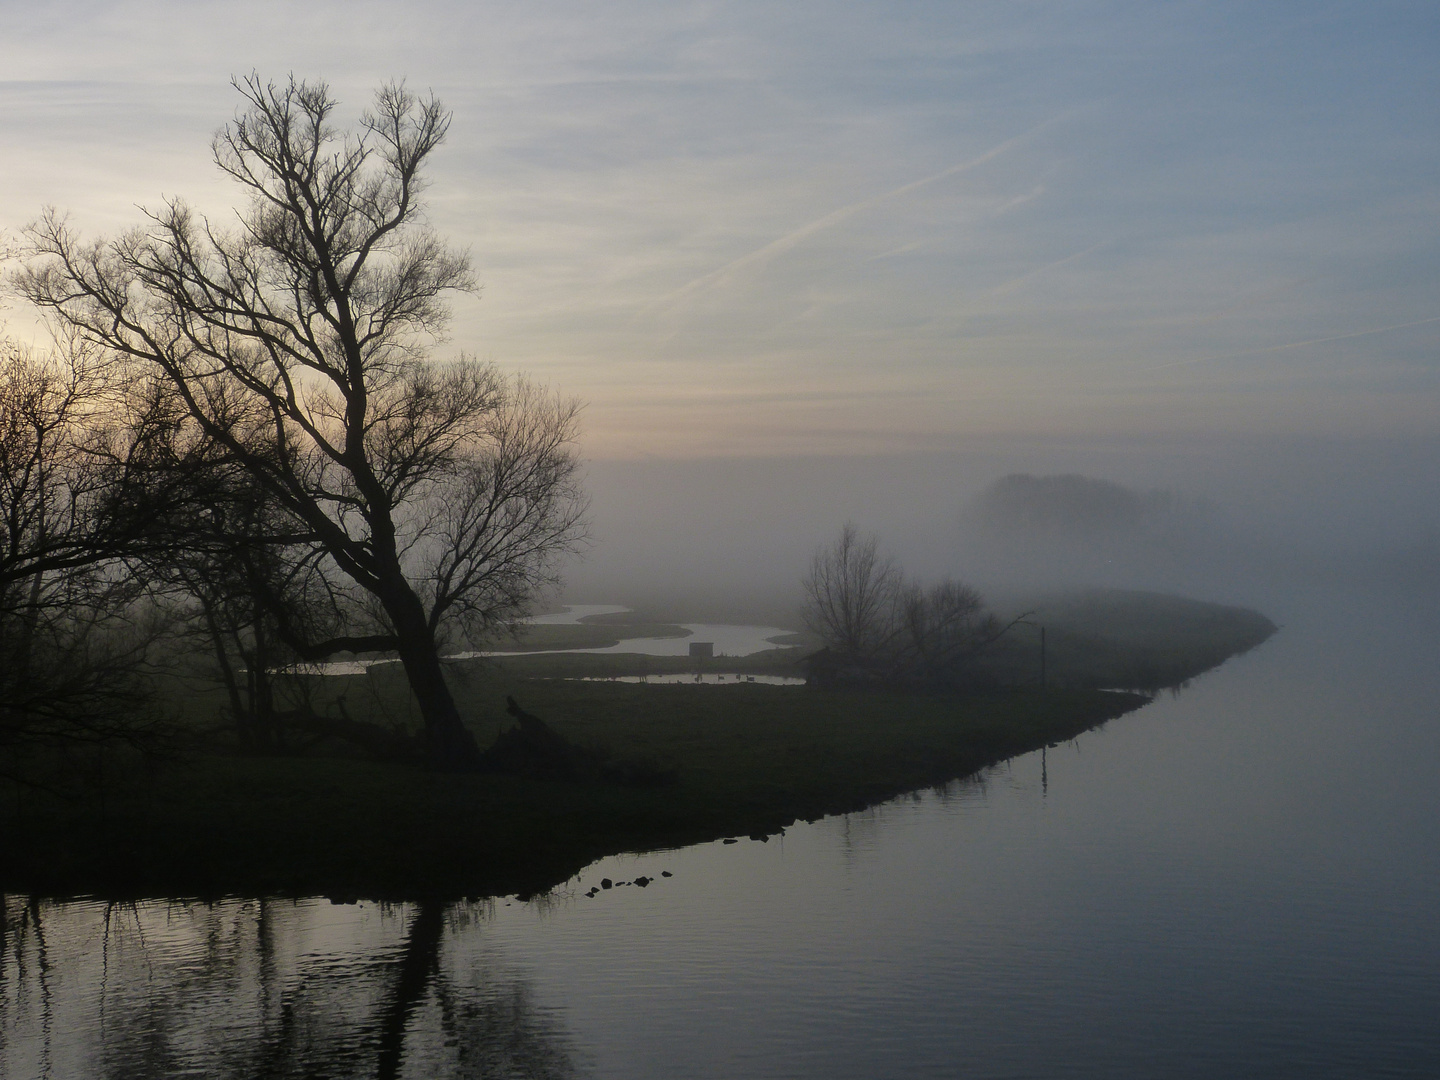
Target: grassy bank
{"x":1099,"y":638}
{"x":747,"y":759}
{"x":742,"y":759}
{"x":1123,"y":638}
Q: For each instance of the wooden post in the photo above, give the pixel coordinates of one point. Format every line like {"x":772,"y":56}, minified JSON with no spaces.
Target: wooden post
{"x":1042,"y":656}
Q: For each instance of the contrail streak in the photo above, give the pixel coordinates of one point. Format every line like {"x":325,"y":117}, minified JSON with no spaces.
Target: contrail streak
{"x":1299,"y":344}
{"x":779,"y":246}
{"x":1015,"y":283}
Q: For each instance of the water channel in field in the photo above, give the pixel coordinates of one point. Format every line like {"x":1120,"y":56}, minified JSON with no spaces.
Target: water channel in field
{"x":725,"y":639}
{"x":1239,"y":880}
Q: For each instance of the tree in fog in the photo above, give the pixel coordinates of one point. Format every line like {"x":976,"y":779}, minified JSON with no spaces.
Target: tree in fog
{"x":297,"y":344}
{"x":261,"y":590}
{"x":71,"y":637}
{"x":47,"y":483}
{"x":850,"y":595}
{"x":233,"y":570}
{"x":877,"y":626}
{"x":940,"y":629}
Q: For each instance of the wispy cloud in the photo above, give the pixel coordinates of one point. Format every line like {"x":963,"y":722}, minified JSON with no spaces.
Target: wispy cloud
{"x":648,"y":189}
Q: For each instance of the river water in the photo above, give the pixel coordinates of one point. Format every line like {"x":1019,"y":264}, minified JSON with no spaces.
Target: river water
{"x":1241,"y":880}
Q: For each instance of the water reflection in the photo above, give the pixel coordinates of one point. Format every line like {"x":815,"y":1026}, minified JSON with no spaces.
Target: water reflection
{"x":247,"y":988}
{"x":576,"y":613}
{"x":1237,"y":881}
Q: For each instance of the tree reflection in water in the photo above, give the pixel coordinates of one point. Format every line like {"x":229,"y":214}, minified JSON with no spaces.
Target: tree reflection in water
{"x":272,"y":988}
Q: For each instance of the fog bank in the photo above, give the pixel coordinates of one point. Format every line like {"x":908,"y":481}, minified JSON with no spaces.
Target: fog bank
{"x":1236,"y":521}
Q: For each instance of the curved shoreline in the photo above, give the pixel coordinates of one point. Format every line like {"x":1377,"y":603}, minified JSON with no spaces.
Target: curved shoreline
{"x":751,"y":761}
{"x":743,"y":759}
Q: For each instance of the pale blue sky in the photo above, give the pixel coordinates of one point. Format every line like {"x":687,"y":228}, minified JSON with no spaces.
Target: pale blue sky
{"x":848,"y":228}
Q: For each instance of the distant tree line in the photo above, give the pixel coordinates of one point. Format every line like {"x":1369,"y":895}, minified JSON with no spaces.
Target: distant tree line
{"x":241,"y":439}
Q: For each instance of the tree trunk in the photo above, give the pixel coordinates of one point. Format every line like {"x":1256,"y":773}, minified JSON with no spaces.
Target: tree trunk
{"x":262,"y":702}
{"x":29,"y":620}
{"x":449,"y":746}
{"x":227,"y":673}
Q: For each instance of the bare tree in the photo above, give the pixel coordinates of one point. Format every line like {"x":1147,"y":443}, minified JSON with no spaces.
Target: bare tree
{"x":47,"y":488}
{"x":72,"y":641}
{"x":512,"y":507}
{"x":230,"y":575}
{"x":850,"y":595}
{"x":941,"y":629}
{"x":880,"y":628}
{"x":297,"y":344}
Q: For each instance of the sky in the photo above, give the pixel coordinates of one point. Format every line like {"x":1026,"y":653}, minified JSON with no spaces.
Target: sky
{"x":828,"y":231}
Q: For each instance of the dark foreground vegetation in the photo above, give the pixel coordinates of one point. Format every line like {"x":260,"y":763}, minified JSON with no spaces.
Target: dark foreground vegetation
{"x":647,"y":766}
{"x":714,"y":761}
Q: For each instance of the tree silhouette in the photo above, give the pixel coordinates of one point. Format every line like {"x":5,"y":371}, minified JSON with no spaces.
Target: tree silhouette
{"x":297,"y":344}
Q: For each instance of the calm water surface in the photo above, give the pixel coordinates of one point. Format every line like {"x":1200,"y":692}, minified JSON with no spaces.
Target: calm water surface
{"x":1241,"y":880}
{"x":728,"y":639}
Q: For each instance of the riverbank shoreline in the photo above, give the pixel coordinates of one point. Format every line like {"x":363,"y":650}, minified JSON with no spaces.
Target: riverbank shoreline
{"x":698,"y":763}
{"x":747,"y":760}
